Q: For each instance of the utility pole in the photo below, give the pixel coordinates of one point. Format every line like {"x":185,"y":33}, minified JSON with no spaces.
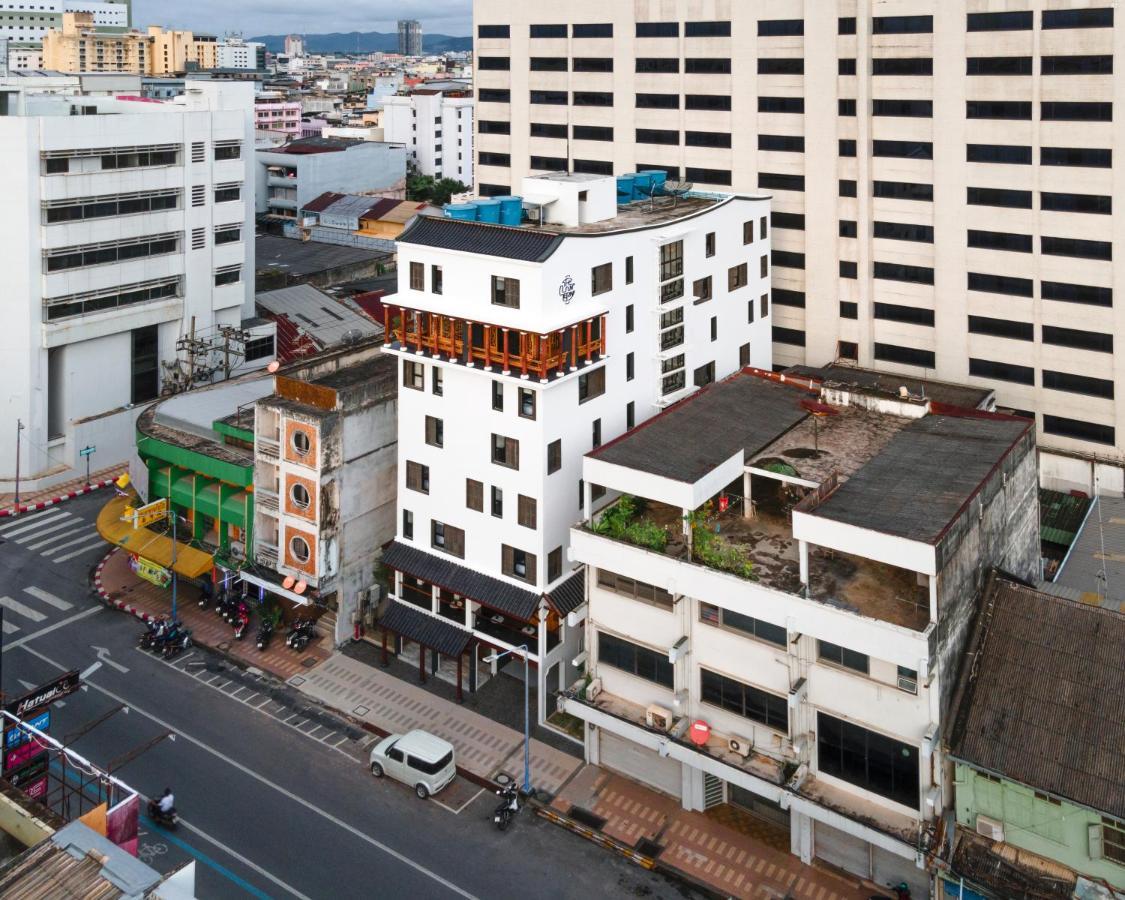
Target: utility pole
{"x":191,"y":357}
{"x":19,"y":428}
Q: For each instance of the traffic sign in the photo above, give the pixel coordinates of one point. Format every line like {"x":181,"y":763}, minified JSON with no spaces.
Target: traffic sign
{"x":87,"y":451}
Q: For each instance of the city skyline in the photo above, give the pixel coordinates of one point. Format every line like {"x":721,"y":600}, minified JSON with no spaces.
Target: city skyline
{"x":261,"y":17}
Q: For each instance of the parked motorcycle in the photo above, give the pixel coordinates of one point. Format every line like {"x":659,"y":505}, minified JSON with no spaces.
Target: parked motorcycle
{"x":167,"y":820}
{"x":265,"y":632}
{"x":154,"y":628}
{"x":300,"y":635}
{"x":241,"y":621}
{"x":206,"y":595}
{"x":508,"y":806}
{"x":222,"y":602}
{"x":177,"y":642}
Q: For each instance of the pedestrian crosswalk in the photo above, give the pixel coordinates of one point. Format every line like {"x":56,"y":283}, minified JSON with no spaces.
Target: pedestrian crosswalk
{"x":20,"y":613}
{"x":55,"y":534}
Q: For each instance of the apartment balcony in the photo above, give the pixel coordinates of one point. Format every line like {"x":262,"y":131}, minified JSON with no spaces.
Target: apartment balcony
{"x":265,"y":554}
{"x":267,"y":448}
{"x":266,"y":501}
{"x":505,"y":351}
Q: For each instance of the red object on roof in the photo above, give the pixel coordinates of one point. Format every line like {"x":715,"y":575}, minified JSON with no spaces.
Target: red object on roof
{"x":321,"y":203}
{"x":134,"y":98}
{"x":699,"y":733}
{"x":818,"y":409}
{"x":372,"y":304}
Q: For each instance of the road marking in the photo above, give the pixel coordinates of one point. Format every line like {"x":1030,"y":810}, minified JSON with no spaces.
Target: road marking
{"x":103,"y":656}
{"x":42,"y":631}
{"x":261,"y":779}
{"x":37,"y":525}
{"x":32,"y":520}
{"x":20,"y":610}
{"x":52,"y":538}
{"x":49,"y":599}
{"x":98,"y":542}
{"x":9,"y":628}
{"x":85,"y":538}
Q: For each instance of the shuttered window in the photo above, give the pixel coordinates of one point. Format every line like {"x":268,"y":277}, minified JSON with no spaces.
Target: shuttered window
{"x":474,"y":495}
{"x":518,"y":563}
{"x":418,"y":477}
{"x":527,"y":511}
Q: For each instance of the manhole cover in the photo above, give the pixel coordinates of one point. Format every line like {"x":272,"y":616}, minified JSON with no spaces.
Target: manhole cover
{"x":503,"y":778}
{"x":224,"y":646}
{"x":361,"y":710}
{"x":587,"y":818}
{"x":309,"y":661}
{"x":648,"y":847}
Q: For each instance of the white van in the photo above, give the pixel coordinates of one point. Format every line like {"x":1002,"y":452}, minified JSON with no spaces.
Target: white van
{"x":417,"y":758}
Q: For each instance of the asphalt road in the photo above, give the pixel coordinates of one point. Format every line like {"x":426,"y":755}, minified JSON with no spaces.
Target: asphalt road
{"x":274,"y":803}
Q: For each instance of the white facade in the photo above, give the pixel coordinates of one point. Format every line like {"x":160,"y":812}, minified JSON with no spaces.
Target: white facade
{"x":625,"y":356}
{"x":294,"y":46}
{"x":125,"y":224}
{"x":437,"y":131}
{"x":238,"y":54}
{"x":935,"y":168}
{"x":28,"y":22}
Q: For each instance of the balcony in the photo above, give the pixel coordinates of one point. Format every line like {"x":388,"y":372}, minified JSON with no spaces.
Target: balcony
{"x":265,"y":554}
{"x":268,"y":448}
{"x":502,"y":350}
{"x":266,"y":501}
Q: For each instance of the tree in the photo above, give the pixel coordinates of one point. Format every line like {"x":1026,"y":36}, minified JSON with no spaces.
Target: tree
{"x":424,"y":188}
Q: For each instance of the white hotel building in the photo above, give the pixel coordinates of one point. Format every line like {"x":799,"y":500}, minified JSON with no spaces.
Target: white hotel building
{"x":522,"y":348}
{"x":808,"y":627}
{"x":125,"y":224}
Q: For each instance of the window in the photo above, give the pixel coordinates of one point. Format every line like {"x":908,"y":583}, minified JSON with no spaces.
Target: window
{"x":707,"y":29}
{"x":299,"y":549}
{"x":763,"y":266}
{"x":592,"y":133}
{"x":228,"y":275}
{"x":671,"y":260}
{"x":704,"y":375}
{"x":496,"y":504}
{"x":145,"y":367}
{"x":794,"y":337}
{"x":707,"y":66}
{"x":845,"y":107}
{"x":787,"y":258}
{"x":1001,"y":284}
{"x":701,"y":289}
{"x":109,"y":206}
{"x":554,"y":456}
{"x":902,"y":25}
{"x":898,"y":231}
{"x":548,"y":163}
{"x":1020,"y":331}
{"x":748,"y":232}
{"x":999,"y":240}
{"x":764,"y":305}
{"x":847,"y":188}
{"x":903,"y":149}
{"x":505,"y":451}
{"x":707,"y":176}
{"x":706,"y":139}
{"x":1000,"y":21}
{"x":299,"y":494}
{"x":909,"y":315}
{"x":526,"y":399}
{"x":871,"y":761}
{"x":493,"y":63}
{"x":999,"y":197}
{"x":554,"y":565}
{"x":629,"y":280}
{"x":593,"y":166}
{"x":719,"y":102}
{"x":914,"y":108}
{"x":517,"y":563}
{"x":657,"y":101}
{"x":787,"y":297}
{"x":738,"y":277}
{"x":498,"y":396}
{"x":437,"y":381}
{"x":998,"y":65}
{"x":849,"y":309}
{"x":845,"y":25}
{"x":526,"y":511}
{"x":649,"y":664}
{"x":259,"y":348}
{"x":592,"y":98}
{"x":631,"y":413}
{"x":765,"y":631}
{"x":592,"y":64}
{"x":548,"y":31}
{"x":548,"y":64}
{"x":997,"y":109}
{"x":546,"y":98}
{"x":743,"y":700}
{"x":841,"y":656}
{"x":447,"y":538}
{"x":494,"y":95}
{"x":845,"y":66}
{"x":1076,"y":293}
{"x":491,"y":126}
{"x":1076,"y":65}
{"x":435,"y":279}
{"x":902,"y":65}
{"x":591,"y":385}
{"x":781,"y":65}
{"x":847,"y":349}
{"x":998,"y":153}
{"x":56,"y":166}
{"x":658,"y":29}
{"x":80,"y":257}
{"x":1113,"y":838}
{"x":848,"y":269}
{"x":1078,"y":384}
{"x":506,"y":292}
{"x":587,"y":30}
{"x":1079,"y":430}
{"x":1078,"y":18}
{"x":228,"y":193}
{"x":1081,"y":203}
{"x":781,"y":104}
{"x":1076,"y":112}
{"x":413,"y":375}
{"x":596,"y":433}
{"x":417,"y":276}
{"x":658,"y":64}
{"x":435,"y":431}
{"x":909,"y":356}
{"x":601,"y":279}
{"x":408,"y":525}
{"x":1001,"y":371}
{"x":657,"y":136}
{"x":1074,"y":247}
{"x":474,"y":495}
{"x":1080,"y":340}
{"x":417,"y":477}
{"x":846,"y":147}
{"x":1075,"y":156}
{"x":782,"y":143}
{"x":228,"y":235}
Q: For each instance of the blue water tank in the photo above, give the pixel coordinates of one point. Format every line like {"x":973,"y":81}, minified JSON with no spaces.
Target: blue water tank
{"x":624,"y":189}
{"x":488,"y":211}
{"x":659,"y":176}
{"x":466,"y":212}
{"x":511,"y":210}
{"x":642,"y":185}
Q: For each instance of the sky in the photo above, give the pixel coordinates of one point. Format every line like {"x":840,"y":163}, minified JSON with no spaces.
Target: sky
{"x":257,"y":17}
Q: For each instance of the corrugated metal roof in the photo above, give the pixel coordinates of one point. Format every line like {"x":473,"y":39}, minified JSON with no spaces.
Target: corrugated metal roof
{"x":492,"y":592}
{"x":1040,"y":699}
{"x":1061,"y":516}
{"x":323,"y":202}
{"x":414,"y":625}
{"x":526,"y":244}
{"x":1095,"y":565}
{"x":323,"y":318}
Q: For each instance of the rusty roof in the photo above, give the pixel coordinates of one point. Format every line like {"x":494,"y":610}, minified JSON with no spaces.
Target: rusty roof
{"x":1039,"y":701}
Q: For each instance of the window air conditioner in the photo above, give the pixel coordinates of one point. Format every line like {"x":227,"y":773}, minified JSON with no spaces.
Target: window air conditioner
{"x":908,"y":684}
{"x":593,"y":689}
{"x":990,"y":828}
{"x":740,"y":745}
{"x":658,"y":717}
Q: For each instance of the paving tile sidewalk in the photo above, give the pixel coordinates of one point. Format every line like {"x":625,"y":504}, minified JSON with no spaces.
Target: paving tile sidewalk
{"x":67,"y":490}
{"x":704,"y":850}
{"x":484,"y":747}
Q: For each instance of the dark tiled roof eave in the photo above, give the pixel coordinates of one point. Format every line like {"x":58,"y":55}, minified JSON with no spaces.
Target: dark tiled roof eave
{"x":484,"y":239}
{"x":414,"y":625}
{"x":569,"y":595}
{"x":491,"y":592}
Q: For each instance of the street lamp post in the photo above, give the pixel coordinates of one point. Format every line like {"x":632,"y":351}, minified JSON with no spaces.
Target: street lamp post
{"x":172,"y":514}
{"x":493,"y":657}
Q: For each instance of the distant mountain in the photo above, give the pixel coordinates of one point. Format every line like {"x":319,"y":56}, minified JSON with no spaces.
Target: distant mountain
{"x":366,"y":42}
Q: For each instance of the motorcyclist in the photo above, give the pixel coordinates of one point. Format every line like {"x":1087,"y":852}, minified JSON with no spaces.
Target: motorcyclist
{"x":167,"y":803}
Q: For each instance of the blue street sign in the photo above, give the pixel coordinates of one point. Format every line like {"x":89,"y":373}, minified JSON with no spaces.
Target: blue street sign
{"x":87,"y":451}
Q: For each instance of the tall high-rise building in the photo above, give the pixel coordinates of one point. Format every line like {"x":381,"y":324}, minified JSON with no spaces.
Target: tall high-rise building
{"x":409,"y":37}
{"x":23,"y":22}
{"x":942,"y":173}
{"x":294,"y":46}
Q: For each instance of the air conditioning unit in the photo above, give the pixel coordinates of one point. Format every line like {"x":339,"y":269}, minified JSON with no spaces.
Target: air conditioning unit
{"x":740,"y":745}
{"x":990,"y":828}
{"x":908,"y":684}
{"x":593,"y":689}
{"x":658,"y":717}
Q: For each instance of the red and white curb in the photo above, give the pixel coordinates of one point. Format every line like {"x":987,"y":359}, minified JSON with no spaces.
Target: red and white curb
{"x":43,"y":504}
{"x":103,"y":594}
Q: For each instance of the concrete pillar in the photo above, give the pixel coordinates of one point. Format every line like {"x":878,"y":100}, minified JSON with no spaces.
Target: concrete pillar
{"x":469,"y":614}
{"x":398,"y":583}
{"x":435,"y":599}
{"x":687,"y":531}
{"x":804,"y":553}
{"x":435,"y":661}
{"x":747,"y":505}
{"x":587,"y":501}
{"x":473,"y":662}
{"x":933,"y":597}
{"x":801,"y":836}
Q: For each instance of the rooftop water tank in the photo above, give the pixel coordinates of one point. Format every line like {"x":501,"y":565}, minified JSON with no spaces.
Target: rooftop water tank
{"x":659,"y":176}
{"x":511,"y":210}
{"x":466,"y":212}
{"x":624,"y":189}
{"x":642,"y":185}
{"x":488,"y":211}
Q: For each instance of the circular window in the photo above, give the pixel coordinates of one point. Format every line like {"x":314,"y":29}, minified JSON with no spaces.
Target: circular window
{"x":299,"y":547}
{"x":300,"y":496}
{"x":301,"y":443}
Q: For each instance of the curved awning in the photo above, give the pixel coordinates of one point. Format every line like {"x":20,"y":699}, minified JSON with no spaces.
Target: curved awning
{"x":148,"y":544}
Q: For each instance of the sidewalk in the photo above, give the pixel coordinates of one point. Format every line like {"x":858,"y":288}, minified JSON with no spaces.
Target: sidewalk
{"x":698,"y":845}
{"x":67,"y":490}
{"x":389,"y":704}
{"x":118,"y":585}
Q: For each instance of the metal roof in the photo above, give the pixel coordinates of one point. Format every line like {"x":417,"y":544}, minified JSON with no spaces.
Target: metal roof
{"x":484,"y":239}
{"x":194,"y":412}
{"x":924,"y":476}
{"x":691,"y":438}
{"x":322,"y":317}
{"x":301,"y":258}
{"x":491,"y":592}
{"x":1095,"y":565}
{"x":1061,"y":516}
{"x":1039,"y":700}
{"x":415,"y":625}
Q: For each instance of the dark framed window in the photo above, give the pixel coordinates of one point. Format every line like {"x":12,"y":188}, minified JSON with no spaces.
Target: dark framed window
{"x":601,"y":279}
{"x":1001,"y":371}
{"x":494,"y":63}
{"x":1078,"y":18}
{"x":791,"y":336}
{"x":779,"y":182}
{"x":629,"y":280}
{"x":781,"y":104}
{"x":548,"y":31}
{"x":847,"y":187}
{"x":498,"y":396}
{"x":849,"y":309}
{"x":494,"y":95}
{"x":1079,"y":430}
{"x":848,"y":269}
{"x":922,"y":109}
{"x":657,"y":101}
{"x":591,"y":385}
{"x":706,"y":66}
{"x":548,"y":163}
{"x":1002,"y":197}
{"x":1076,"y":156}
{"x":547,"y":130}
{"x":708,"y":176}
{"x":413,"y":375}
{"x":707,"y":101}
{"x":902,"y":25}
{"x":702,"y":291}
{"x":1076,"y":65}
{"x":847,"y":349}
{"x":784,"y":143}
{"x":901,"y":272}
{"x":1080,"y":340}
{"x":593,"y":166}
{"x":657,"y":136}
{"x":707,"y":29}
{"x":899,"y":231}
{"x":1005,"y":328}
{"x":903,"y":149}
{"x":787,"y":297}
{"x":872,"y":761}
{"x":527,"y":403}
{"x":1001,"y":284}
{"x":787,"y":259}
{"x":418,"y":477}
{"x":997,"y":109}
{"x":547,"y":64}
{"x":506,"y":292}
{"x":496,"y":502}
{"x":658,"y":64}
{"x":435,"y":431}
{"x":1076,"y":293}
{"x":1078,"y":384}
{"x":902,"y":65}
{"x":845,"y":147}
{"x":408,"y":524}
{"x":635,"y":660}
{"x":909,"y":315}
{"x":671,"y":260}
{"x":592,"y":98}
{"x":903,"y":190}
{"x":1080,"y":203}
{"x":781,"y":65}
{"x":554,"y":456}
{"x":592,"y":64}
{"x":1083,"y":111}
{"x":145,"y":364}
{"x":629,"y":324}
{"x":908,"y":356}
{"x":790,"y":221}
{"x":998,"y":153}
{"x":591,"y":30}
{"x":554,"y":565}
{"x":845,"y":106}
{"x":998,"y":65}
{"x":658,"y":29}
{"x":744,"y":700}
{"x":1076,"y":248}
{"x":494,"y":126}
{"x":845,"y":65}
{"x":765,"y":631}
{"x":1000,"y":240}
{"x":707,"y":139}
{"x":738,"y":276}
{"x":845,"y":25}
{"x":505,"y":451}
{"x":447,"y":538}
{"x":841,"y":656}
{"x":545,"y":98}
{"x":1000,"y":21}
{"x":487,"y":158}
{"x":474,"y":495}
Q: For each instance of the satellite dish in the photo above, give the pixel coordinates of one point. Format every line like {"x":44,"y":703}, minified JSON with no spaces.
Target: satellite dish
{"x":677,"y":188}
